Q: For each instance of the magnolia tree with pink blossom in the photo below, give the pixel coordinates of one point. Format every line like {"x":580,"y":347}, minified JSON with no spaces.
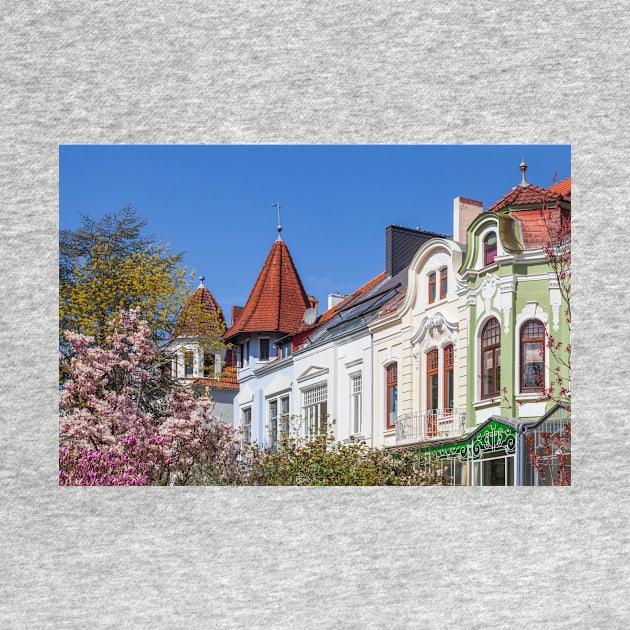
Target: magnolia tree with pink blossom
{"x":121,"y":425}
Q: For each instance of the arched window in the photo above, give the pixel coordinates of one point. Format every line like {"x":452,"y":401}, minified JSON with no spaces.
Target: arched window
{"x":532,"y":356}
{"x":443,"y":282}
{"x":489,"y":248}
{"x":392,"y":394}
{"x":448,"y":377}
{"x":491,"y":359}
{"x":432,"y":287}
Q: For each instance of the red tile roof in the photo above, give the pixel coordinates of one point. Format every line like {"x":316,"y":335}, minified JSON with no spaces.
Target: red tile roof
{"x":563,"y":187}
{"x":521,"y":196}
{"x":227,"y":380}
{"x":278,"y":300}
{"x":188,"y":321}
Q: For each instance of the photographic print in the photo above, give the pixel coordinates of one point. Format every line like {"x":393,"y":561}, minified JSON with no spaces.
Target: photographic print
{"x":315,"y":315}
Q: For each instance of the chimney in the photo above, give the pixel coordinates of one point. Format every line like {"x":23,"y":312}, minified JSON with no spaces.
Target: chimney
{"x":334,"y":299}
{"x":313,"y":302}
{"x":401,"y":245}
{"x":236,"y":313}
{"x":464,"y":213}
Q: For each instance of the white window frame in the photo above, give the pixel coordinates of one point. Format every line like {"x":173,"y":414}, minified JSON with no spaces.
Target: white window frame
{"x":356,"y":402}
{"x":278,"y":425}
{"x":315,"y":409}
{"x":246,"y":414}
{"x":191,"y":354}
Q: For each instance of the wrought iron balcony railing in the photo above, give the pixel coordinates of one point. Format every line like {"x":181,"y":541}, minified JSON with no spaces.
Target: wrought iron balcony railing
{"x":430,"y":424}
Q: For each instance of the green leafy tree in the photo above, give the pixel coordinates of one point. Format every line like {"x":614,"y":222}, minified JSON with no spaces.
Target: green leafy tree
{"x":108,"y":265}
{"x":323,"y":461}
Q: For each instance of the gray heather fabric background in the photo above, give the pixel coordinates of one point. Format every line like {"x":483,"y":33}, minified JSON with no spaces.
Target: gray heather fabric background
{"x":326,"y":72}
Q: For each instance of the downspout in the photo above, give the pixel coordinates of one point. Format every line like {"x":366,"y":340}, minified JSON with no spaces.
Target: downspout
{"x":521,"y":429}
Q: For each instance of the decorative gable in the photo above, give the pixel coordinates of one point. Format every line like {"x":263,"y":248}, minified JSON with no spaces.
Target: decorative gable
{"x":314,"y":371}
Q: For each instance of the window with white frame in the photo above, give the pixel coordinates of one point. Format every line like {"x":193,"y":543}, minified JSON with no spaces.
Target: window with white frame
{"x":242,"y":354}
{"x":284,"y":416}
{"x":278,"y":415}
{"x":189,"y":362}
{"x":246,"y":424}
{"x":273,"y":423}
{"x":314,"y":409}
{"x":532,"y":356}
{"x":356,"y":390}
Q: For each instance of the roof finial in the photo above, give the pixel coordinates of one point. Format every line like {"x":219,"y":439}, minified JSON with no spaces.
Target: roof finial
{"x":279,"y":228}
{"x":524,"y":184}
{"x":201,"y":279}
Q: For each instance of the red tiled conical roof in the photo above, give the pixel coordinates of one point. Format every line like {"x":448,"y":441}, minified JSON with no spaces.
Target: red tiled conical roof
{"x":525,"y":195}
{"x":188,"y":321}
{"x":278,"y":300}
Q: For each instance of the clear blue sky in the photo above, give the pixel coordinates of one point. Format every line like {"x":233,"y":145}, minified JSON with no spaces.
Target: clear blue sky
{"x":214,"y":202}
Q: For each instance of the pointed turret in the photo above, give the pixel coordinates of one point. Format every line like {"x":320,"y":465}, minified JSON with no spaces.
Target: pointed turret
{"x":200,"y":312}
{"x":277,"y":301}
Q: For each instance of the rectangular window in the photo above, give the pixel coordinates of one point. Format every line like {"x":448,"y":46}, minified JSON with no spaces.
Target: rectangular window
{"x":263,"y":345}
{"x":285,"y":350}
{"x":284,"y":417}
{"x":246,"y":424}
{"x":314,"y":410}
{"x":448,"y":377}
{"x":432,"y":287}
{"x":443,"y":283}
{"x":392,"y":395}
{"x":494,"y":471}
{"x":273,"y":423}
{"x":189,"y":361}
{"x":356,"y":389}
{"x":243,"y":352}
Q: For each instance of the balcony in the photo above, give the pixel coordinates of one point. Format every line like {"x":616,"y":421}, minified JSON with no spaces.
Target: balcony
{"x":432,"y":424}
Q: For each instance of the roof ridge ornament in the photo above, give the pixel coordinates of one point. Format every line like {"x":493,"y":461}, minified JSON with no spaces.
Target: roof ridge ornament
{"x":279,"y":228}
{"x":523,"y":168}
{"x":201,"y":285}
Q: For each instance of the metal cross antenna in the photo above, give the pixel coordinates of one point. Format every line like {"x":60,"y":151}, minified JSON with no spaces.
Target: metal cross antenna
{"x":279,"y":228}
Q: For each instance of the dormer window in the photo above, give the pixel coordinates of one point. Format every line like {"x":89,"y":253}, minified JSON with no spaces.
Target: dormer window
{"x":432,"y":287}
{"x":443,"y":282}
{"x":489,"y":248}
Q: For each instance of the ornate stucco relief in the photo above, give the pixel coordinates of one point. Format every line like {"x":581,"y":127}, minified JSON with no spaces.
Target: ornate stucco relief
{"x":488,"y":290}
{"x":555,"y":299}
{"x":435,"y":331}
{"x":531,"y":310}
{"x":435,"y":262}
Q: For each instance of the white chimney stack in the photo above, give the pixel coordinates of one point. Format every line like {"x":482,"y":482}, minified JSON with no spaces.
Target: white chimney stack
{"x":334,"y":299}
